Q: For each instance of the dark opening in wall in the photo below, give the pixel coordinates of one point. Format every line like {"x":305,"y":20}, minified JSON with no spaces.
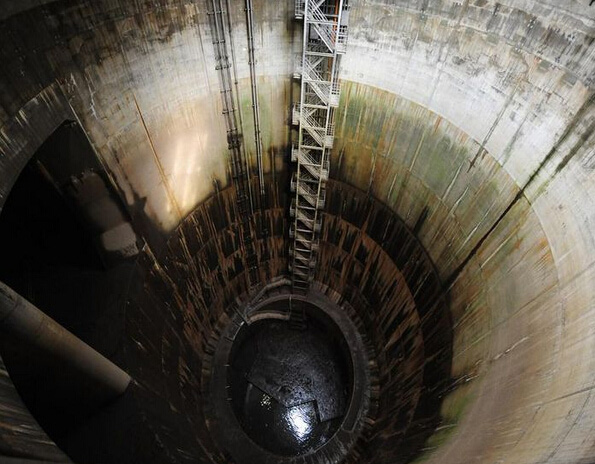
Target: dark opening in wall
{"x":51,"y":255}
{"x":39,"y":231}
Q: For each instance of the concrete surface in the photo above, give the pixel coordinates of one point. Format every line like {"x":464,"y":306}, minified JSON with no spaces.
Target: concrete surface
{"x":471,"y":120}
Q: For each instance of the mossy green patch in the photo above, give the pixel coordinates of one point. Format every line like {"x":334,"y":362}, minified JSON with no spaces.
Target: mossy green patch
{"x":454,"y":406}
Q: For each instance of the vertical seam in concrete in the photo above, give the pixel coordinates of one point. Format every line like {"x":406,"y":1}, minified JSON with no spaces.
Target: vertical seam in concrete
{"x":575,"y":120}
{"x":481,"y":150}
{"x":157,"y":161}
{"x":447,"y":45}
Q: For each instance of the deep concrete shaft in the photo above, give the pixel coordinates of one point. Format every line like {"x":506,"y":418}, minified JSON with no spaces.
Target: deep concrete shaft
{"x":460,"y":227}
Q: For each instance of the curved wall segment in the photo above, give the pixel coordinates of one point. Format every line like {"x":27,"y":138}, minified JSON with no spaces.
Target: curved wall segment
{"x":460,"y":220}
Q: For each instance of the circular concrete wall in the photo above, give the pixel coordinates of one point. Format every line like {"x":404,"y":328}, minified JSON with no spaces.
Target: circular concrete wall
{"x":471,"y":121}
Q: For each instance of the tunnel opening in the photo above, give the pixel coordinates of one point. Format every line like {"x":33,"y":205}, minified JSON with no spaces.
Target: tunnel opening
{"x":53,"y":255}
{"x":39,"y":229}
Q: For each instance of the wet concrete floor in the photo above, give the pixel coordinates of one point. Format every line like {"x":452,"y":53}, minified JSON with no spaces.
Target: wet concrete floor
{"x":289,"y":386}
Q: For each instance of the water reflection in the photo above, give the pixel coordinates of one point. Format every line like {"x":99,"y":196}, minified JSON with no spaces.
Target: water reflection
{"x":288,"y":387}
{"x":300,"y":421}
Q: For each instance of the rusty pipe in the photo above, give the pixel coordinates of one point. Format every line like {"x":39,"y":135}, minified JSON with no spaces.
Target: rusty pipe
{"x":21,"y":320}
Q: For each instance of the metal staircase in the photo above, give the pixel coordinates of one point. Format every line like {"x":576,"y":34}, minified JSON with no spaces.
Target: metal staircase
{"x":324,"y":41}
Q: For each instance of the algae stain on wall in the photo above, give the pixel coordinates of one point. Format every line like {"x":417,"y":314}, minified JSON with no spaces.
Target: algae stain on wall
{"x":454,"y":406}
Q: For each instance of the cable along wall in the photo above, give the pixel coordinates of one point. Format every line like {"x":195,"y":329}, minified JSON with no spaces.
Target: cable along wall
{"x":221,"y":28}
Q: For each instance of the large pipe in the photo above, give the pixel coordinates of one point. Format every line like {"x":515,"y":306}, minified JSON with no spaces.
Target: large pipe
{"x":22,"y":321}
